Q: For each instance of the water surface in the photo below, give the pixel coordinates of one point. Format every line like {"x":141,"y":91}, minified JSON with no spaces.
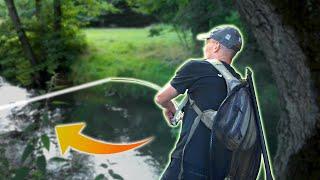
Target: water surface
{"x":108,"y":118}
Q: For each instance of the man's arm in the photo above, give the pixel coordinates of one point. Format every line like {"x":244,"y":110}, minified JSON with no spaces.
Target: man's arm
{"x":183,"y":79}
{"x":164,"y":99}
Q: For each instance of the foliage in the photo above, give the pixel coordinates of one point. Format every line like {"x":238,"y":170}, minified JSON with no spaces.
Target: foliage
{"x":124,"y":16}
{"x":54,"y":48}
{"x":33,"y":162}
{"x":190,"y":15}
{"x":81,"y":12}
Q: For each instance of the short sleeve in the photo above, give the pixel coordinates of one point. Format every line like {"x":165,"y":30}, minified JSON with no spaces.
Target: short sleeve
{"x":184,"y":77}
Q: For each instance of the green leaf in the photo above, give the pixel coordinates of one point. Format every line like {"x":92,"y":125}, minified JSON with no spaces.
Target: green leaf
{"x":45,"y":117}
{"x":35,"y":105}
{"x":42,"y":164}
{"x":59,"y":103}
{"x":21,"y":173}
{"x":99,"y":177}
{"x":58,"y":87}
{"x":104,"y":165}
{"x":37,"y":174}
{"x":114,"y":175}
{"x":45,"y":141}
{"x":30,"y":128}
{"x":42,"y":91}
{"x":59,"y":159}
{"x":4,"y":163}
{"x":27,"y":151}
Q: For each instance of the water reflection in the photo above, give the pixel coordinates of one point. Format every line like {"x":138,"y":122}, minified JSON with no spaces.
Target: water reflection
{"x":10,"y":94}
{"x":108,"y":118}
{"x":111,"y":119}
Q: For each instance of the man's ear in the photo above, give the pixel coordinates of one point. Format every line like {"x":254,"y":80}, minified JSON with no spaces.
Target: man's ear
{"x":216,"y":46}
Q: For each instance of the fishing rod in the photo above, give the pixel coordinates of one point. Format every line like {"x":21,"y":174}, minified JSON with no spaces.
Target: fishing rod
{"x":80,"y":87}
{"x":264,"y":148}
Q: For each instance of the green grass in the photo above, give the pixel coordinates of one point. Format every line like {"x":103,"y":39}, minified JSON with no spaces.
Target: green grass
{"x":129,"y":52}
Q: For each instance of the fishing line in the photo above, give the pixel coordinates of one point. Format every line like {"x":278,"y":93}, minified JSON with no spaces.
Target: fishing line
{"x":80,"y":87}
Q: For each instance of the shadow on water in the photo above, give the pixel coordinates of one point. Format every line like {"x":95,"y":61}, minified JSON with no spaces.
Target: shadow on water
{"x":108,"y":118}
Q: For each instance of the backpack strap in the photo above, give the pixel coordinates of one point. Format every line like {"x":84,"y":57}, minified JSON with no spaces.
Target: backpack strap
{"x":178,"y":114}
{"x":204,"y":114}
{"x":195,"y":107}
{"x":230,"y":79}
{"x":191,"y":132}
{"x":193,"y":128}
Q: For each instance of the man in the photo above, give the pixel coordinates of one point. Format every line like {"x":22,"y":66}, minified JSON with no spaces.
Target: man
{"x":208,"y":88}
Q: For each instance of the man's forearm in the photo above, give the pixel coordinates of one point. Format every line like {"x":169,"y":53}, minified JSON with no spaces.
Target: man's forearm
{"x":169,"y":105}
{"x":165,"y":96}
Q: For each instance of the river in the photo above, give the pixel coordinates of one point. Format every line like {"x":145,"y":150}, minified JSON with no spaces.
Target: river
{"x":108,"y":118}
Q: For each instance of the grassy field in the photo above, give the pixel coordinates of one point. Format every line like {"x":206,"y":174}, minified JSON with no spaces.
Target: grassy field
{"x":129,"y":53}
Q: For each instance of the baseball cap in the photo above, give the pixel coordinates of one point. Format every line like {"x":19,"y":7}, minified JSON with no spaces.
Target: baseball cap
{"x":229,"y":36}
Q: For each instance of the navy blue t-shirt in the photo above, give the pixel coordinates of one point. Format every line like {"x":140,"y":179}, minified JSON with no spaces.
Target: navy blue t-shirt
{"x":207,"y":88}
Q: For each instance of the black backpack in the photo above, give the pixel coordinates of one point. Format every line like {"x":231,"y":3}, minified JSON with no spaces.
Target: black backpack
{"x":236,"y":124}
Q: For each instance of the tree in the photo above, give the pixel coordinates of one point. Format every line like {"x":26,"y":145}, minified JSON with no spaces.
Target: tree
{"x":21,"y":32}
{"x":290,"y":64}
{"x":188,"y":15}
{"x":22,"y":36}
{"x":49,"y":38}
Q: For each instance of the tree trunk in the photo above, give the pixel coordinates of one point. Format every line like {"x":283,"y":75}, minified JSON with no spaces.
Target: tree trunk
{"x":21,"y":33}
{"x":22,"y":37}
{"x":41,"y":32}
{"x":57,"y":15}
{"x":289,"y":65}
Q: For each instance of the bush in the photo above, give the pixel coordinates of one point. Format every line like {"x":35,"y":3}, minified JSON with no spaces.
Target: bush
{"x":55,"y":48}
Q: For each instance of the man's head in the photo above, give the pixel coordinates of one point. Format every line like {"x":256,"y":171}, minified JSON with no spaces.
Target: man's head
{"x":222,"y":42}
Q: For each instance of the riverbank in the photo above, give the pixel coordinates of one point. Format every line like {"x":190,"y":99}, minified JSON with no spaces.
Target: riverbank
{"x":132,"y":53}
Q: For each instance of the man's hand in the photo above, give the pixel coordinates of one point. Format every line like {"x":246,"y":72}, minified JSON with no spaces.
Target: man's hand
{"x":169,"y":113}
{"x":164,"y":99}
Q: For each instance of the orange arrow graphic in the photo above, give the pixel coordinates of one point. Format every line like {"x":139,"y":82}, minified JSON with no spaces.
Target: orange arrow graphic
{"x":70,"y":136}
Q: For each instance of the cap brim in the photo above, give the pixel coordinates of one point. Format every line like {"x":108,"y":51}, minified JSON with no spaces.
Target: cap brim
{"x":203,"y":36}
